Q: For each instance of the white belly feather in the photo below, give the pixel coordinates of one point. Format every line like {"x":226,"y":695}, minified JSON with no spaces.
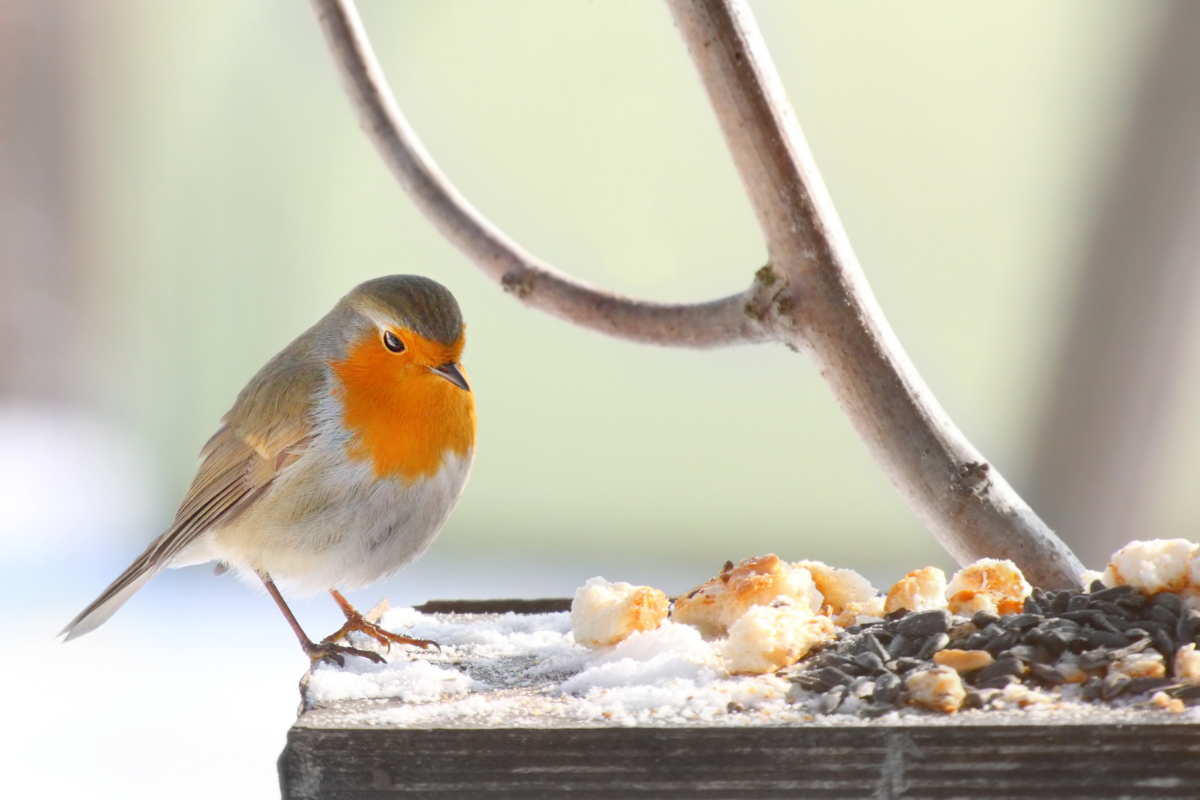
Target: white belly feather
{"x":326,"y":522}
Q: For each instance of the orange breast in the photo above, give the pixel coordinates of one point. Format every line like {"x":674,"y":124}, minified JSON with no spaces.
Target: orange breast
{"x":404,"y":419}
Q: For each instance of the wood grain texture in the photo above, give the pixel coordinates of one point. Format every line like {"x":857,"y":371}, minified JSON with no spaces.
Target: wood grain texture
{"x":543,"y":605}
{"x":859,"y":761}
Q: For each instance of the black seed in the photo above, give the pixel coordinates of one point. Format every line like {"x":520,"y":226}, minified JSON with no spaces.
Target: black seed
{"x":999,"y":682}
{"x":887,"y":689}
{"x":901,"y":646}
{"x":828,"y":702}
{"x":1144,"y":685}
{"x":1060,"y":603}
{"x":1169,"y":601}
{"x":807,"y":680}
{"x":1094,"y":659}
{"x":846,"y":664}
{"x":1103,"y":623}
{"x":1078,"y":602}
{"x":1112,"y":594}
{"x":904,"y":665}
{"x":1004,"y":666}
{"x":1186,"y":692}
{"x":1033,"y":637}
{"x":873,"y":646}
{"x":1092,"y":689}
{"x":1134,"y":600}
{"x":1096,"y":586}
{"x":976,"y":641}
{"x":869,"y":661}
{"x":1122,"y":624}
{"x":1031,"y":607}
{"x":979,"y":698}
{"x":1002,"y":642}
{"x":1136,"y":647}
{"x":1105,"y":639}
{"x":832,"y":677}
{"x":1163,"y":616}
{"x":861,"y":687}
{"x":982,"y":619}
{"x":1164,"y":645}
{"x":1030,"y":654}
{"x":1019,"y":622}
{"x":1083,"y":617}
{"x":992,"y":632}
{"x":925,"y":623}
{"x":933,"y":644}
{"x":899,"y":613}
{"x":883,"y":635}
{"x":1115,"y":610}
{"x":1041,"y":597}
{"x":1146,"y":626}
{"x":1057,"y":641}
{"x":1047,"y":674}
{"x":854,"y":630}
{"x":1113,"y":685}
{"x":1059,"y":624}
{"x":1189,"y":624}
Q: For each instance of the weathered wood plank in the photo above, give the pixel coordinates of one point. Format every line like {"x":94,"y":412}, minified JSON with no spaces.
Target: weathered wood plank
{"x":543,"y":605}
{"x":870,"y":760}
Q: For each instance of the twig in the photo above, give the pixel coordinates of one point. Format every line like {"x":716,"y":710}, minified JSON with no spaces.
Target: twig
{"x":813,"y":296}
{"x":519,"y":272}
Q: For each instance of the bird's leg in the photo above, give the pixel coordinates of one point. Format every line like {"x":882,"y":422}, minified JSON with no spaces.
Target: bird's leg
{"x":356,"y":622}
{"x":315,"y":652}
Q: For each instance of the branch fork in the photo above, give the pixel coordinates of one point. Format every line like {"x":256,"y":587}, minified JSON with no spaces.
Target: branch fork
{"x":812,"y":296}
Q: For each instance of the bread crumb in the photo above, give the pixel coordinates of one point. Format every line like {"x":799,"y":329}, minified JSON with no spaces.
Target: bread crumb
{"x":1187,"y":664}
{"x":939,"y":688}
{"x":1068,"y":667}
{"x":1156,"y":565}
{"x":963,"y":660}
{"x":1147,"y":664}
{"x":991,"y":585}
{"x":714,"y":606}
{"x":859,"y":613}
{"x":839,"y":587}
{"x":1167,"y":703}
{"x":768,"y":638}
{"x":919,"y":590}
{"x":604,"y":613}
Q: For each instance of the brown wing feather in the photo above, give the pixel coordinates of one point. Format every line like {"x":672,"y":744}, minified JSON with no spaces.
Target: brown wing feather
{"x":268,"y":428}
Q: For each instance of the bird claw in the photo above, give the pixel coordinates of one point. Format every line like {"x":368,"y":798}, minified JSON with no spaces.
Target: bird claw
{"x":385,"y":638}
{"x":328,"y":651}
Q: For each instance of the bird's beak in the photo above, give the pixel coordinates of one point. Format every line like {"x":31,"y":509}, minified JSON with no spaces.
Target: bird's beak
{"x":451,"y":373}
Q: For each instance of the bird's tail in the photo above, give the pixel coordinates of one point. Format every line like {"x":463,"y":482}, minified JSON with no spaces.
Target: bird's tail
{"x":112,"y":598}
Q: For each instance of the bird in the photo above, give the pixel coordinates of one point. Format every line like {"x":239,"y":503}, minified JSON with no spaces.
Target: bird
{"x":338,"y":464}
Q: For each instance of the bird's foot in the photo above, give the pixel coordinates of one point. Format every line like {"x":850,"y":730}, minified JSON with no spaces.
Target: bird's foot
{"x":356,"y":622}
{"x":326,"y":650}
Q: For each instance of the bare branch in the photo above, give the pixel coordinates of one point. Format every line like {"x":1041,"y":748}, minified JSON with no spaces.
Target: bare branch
{"x":829,"y":311}
{"x":812,"y":297}
{"x":520,"y":273}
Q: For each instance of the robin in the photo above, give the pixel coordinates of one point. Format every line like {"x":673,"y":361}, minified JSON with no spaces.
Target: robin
{"x":337,"y":465}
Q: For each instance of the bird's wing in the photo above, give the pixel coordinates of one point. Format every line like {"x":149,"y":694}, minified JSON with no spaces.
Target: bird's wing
{"x":268,"y":429}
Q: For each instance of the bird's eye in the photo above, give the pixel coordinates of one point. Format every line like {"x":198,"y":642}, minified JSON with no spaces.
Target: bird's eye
{"x":392,"y":342}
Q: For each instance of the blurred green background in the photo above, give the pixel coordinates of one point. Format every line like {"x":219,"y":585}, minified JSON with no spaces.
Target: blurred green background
{"x":231,"y":199}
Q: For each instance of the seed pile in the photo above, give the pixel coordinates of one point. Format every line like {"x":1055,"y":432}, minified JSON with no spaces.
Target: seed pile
{"x":1100,"y":646}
